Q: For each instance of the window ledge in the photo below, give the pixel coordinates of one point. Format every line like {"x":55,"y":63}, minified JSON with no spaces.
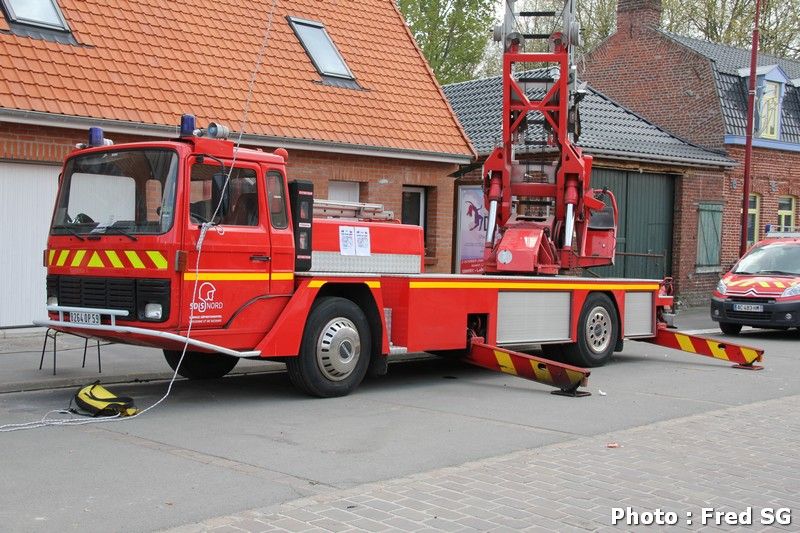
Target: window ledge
{"x":708,"y":269}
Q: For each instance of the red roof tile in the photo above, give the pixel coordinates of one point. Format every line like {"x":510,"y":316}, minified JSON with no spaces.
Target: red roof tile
{"x":149,"y":61}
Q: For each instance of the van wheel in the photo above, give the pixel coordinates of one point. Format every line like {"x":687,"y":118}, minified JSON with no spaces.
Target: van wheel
{"x":730,"y":329}
{"x":598,"y":331}
{"x":200,"y":365}
{"x":334,"y":352}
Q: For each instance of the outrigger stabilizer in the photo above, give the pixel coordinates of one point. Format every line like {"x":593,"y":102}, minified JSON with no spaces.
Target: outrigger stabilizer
{"x":566,"y":377}
{"x":743,"y":356}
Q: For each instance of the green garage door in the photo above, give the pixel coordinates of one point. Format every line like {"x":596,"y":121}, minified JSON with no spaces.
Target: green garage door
{"x":644,"y":232}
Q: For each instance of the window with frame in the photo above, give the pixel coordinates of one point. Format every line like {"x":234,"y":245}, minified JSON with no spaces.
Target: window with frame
{"x":344,"y":191}
{"x":320,"y":48}
{"x":239,"y":205}
{"x":753,"y":218}
{"x":786,"y":208}
{"x":769,"y":106}
{"x":276,"y":200}
{"x":709,"y":234}
{"x":41,"y":13}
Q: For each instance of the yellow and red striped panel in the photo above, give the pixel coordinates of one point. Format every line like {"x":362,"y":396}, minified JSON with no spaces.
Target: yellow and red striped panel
{"x":761,"y":283}
{"x":565,"y":377}
{"x":136,"y":259}
{"x":742,"y":355}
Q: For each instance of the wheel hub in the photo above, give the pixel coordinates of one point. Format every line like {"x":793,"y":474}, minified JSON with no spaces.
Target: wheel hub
{"x":598,"y":330}
{"x":338,"y":349}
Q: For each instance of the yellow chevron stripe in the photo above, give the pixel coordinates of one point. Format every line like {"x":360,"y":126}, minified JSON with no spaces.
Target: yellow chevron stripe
{"x":505,"y":362}
{"x":76,"y":261}
{"x":529,"y":285}
{"x":158,"y":259}
{"x":226,"y":276}
{"x":133,"y":257}
{"x":95,"y":261}
{"x":763,"y":283}
{"x":316,"y":284}
{"x":749,"y":354}
{"x":685,"y":343}
{"x":542,"y":374}
{"x":62,"y":258}
{"x":574,"y":377}
{"x":717,"y":350}
{"x":780,"y":285}
{"x":114,"y":258}
{"x":50,"y":254}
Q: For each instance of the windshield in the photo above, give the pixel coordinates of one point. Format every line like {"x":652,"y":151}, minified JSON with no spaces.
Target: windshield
{"x":124,"y":191}
{"x":773,"y":258}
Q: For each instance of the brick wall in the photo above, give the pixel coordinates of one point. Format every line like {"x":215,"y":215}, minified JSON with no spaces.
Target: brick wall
{"x":773,"y":174}
{"x":664,"y":82}
{"x":381,"y":179}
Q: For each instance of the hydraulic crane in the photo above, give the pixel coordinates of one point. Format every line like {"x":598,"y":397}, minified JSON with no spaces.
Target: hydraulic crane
{"x":579,"y":229}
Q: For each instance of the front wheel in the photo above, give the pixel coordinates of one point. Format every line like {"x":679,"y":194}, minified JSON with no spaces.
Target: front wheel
{"x":598,"y":331}
{"x":199,"y":365}
{"x":335,"y":349}
{"x":730,"y":329}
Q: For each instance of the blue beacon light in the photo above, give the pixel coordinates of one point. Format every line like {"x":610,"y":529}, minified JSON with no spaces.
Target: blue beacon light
{"x":96,"y":136}
{"x":187,"y":125}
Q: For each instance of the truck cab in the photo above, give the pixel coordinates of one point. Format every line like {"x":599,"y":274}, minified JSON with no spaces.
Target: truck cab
{"x":127,"y":226}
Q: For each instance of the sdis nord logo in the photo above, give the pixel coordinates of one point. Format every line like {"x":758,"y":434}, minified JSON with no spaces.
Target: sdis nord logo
{"x":206,"y":302}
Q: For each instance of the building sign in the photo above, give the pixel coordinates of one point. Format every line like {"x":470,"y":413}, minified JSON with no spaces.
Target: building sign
{"x":473,"y":221}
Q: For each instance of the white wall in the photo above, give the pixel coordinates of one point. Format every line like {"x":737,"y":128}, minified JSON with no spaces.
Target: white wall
{"x":27,"y":195}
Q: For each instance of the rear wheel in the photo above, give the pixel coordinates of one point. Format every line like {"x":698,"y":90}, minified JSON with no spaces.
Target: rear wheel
{"x":334,"y":352}
{"x":598,"y":331}
{"x":730,"y":329}
{"x":200,"y":365}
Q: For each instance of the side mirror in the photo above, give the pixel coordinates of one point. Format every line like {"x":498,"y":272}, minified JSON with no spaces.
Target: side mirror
{"x":218,"y":190}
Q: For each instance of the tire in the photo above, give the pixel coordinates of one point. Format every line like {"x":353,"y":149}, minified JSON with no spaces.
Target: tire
{"x":200,"y":365}
{"x":730,"y":329}
{"x":598,"y":331}
{"x":335,"y":350}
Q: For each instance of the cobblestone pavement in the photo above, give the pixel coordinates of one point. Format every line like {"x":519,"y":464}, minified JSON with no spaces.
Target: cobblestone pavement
{"x":729,"y":460}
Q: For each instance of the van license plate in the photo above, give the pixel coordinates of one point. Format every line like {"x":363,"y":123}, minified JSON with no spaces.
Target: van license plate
{"x":90,"y":319}
{"x":752,"y":308}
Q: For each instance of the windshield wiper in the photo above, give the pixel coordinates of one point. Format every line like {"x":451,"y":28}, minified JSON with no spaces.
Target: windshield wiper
{"x":779,"y":272}
{"x":117,"y":229}
{"x":71,"y":230}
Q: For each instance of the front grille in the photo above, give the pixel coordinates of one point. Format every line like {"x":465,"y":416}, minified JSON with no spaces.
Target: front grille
{"x":749,"y":315}
{"x":127,"y":294}
{"x":752,"y":300}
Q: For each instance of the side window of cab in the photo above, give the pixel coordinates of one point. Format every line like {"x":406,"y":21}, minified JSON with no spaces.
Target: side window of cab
{"x":276,"y":200}
{"x":237,"y":196}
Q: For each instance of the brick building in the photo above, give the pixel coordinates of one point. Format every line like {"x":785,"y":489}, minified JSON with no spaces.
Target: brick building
{"x":362,"y":117}
{"x":698,"y":91}
{"x":652,"y":173}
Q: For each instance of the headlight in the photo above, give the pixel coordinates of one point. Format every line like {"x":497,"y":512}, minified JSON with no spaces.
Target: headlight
{"x":792,"y":291}
{"x":721,"y":287}
{"x":152,"y":311}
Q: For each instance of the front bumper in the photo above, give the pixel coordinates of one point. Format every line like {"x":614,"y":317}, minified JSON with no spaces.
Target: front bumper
{"x":775,"y":314}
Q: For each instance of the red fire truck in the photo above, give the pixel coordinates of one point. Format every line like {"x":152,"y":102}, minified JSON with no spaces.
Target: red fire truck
{"x":196,"y":242}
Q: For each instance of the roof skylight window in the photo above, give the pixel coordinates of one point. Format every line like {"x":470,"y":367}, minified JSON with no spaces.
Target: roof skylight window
{"x":42,"y":13}
{"x":320,"y":48}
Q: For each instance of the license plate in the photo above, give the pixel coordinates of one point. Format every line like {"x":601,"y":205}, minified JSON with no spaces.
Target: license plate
{"x":90,"y":319}
{"x":752,"y":308}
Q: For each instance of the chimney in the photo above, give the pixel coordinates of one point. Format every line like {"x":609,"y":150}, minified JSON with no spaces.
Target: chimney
{"x":632,"y":15}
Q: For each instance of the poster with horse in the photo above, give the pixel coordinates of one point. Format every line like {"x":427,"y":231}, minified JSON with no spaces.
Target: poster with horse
{"x":472,"y":225}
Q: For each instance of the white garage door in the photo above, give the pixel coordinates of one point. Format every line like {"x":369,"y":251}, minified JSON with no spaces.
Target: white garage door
{"x":27,"y":194}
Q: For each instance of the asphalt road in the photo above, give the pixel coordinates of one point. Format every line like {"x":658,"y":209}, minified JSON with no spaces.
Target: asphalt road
{"x":216,"y":448}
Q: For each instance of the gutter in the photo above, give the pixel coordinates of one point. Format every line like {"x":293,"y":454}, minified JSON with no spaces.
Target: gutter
{"x":38,"y":118}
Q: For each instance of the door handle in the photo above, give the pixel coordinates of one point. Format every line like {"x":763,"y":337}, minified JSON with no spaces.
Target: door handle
{"x":262,"y":258}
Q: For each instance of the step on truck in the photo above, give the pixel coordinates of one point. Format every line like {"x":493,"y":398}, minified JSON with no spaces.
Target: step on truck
{"x":197,"y":244}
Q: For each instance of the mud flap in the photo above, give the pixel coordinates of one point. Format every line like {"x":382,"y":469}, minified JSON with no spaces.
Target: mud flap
{"x":566,"y":377}
{"x":743,"y":356}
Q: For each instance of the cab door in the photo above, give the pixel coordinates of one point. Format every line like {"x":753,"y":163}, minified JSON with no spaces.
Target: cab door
{"x":234,"y":260}
{"x":281,"y":233}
